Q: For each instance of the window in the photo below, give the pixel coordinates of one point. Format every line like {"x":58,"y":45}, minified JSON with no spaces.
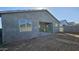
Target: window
{"x":25,"y":25}
{"x":56,"y":25}
{"x":45,"y":27}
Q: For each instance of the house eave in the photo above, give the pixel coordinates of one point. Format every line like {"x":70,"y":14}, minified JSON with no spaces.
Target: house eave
{"x":53,"y":16}
{"x":22,"y":11}
{"x":18,"y":11}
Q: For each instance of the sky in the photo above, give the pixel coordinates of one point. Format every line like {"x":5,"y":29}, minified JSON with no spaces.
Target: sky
{"x":71,"y":14}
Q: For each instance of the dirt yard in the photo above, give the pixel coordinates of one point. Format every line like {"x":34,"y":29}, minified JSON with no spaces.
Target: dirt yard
{"x":54,"y":42}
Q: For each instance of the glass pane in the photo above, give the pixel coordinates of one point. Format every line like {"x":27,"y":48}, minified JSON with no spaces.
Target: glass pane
{"x":25,"y":25}
{"x":45,"y":27}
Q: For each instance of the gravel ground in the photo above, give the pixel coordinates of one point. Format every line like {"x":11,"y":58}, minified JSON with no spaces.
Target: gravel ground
{"x":53,"y":42}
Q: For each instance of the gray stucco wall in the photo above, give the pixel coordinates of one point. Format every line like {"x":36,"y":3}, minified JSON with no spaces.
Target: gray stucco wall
{"x":72,"y":29}
{"x":11,"y":27}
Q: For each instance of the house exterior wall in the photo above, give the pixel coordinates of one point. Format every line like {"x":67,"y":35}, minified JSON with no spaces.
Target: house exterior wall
{"x":11,"y":30}
{"x":56,"y":26}
{"x":61,"y":28}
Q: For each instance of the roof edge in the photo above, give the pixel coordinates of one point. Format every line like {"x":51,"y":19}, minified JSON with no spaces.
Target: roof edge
{"x":17,"y":11}
{"x":52,"y":16}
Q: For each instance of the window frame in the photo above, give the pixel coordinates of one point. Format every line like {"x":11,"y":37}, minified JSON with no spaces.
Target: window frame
{"x":27,"y":21}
